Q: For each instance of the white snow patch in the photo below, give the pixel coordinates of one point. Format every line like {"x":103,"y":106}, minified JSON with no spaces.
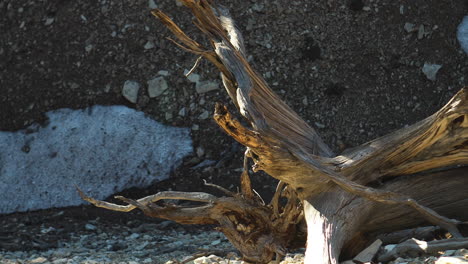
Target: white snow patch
{"x":462,"y":34}
{"x":101,"y":149}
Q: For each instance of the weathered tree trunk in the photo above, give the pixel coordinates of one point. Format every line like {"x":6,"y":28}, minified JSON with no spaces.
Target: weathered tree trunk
{"x":405,"y":179}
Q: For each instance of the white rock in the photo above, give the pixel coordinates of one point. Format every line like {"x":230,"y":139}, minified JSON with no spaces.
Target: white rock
{"x":204,"y":115}
{"x":452,"y":260}
{"x":409,"y":27}
{"x":421,"y":32}
{"x":217,"y":241}
{"x":389,"y":247}
{"x":156,"y":86}
{"x":102,"y":149}
{"x":133,"y":236}
{"x":462,"y":34}
{"x":152,"y":4}
{"x":89,"y":47}
{"x":163,"y":73}
{"x":49,"y":21}
{"x":430,"y":70}
{"x":183,"y":112}
{"x":90,"y":227}
{"x":130,"y":91}
{"x":38,"y":260}
{"x":149,"y":45}
{"x":195,"y":78}
{"x":206,"y":86}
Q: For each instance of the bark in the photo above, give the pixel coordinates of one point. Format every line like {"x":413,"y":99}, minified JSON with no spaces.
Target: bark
{"x":410,"y":177}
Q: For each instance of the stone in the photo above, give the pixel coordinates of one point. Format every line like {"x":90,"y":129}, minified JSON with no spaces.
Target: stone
{"x":319,"y":125}
{"x":38,"y":260}
{"x":157,"y":86}
{"x":60,"y":261}
{"x":452,"y":260}
{"x":258,"y":7}
{"x":149,"y":45}
{"x":90,"y":227}
{"x":89,"y":47}
{"x":200,"y":152}
{"x":182,"y":112}
{"x":206,"y":86}
{"x":193,"y":77}
{"x":152,"y":4}
{"x":130,"y":91}
{"x":163,"y":73}
{"x":421,"y":32}
{"x":204,"y":115}
{"x":101,"y":149}
{"x":168,"y":116}
{"x":462,"y":34}
{"x":49,"y":21}
{"x":409,"y":27}
{"x":369,"y":253}
{"x":133,"y":236}
{"x":430,"y":70}
{"x":389,"y":247}
{"x":216,"y":242}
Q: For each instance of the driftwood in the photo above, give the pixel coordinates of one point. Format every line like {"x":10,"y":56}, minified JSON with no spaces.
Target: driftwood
{"x":416,"y":247}
{"x":425,"y":233}
{"x":416,"y":173}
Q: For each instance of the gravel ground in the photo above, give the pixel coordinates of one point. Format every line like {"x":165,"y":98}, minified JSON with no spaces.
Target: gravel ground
{"x":165,"y":243}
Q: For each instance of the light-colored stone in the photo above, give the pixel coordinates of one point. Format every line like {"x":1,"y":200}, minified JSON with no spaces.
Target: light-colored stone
{"x":163,"y":73}
{"x":206,"y":86}
{"x":430,"y":70}
{"x":152,"y":4}
{"x":409,"y":27}
{"x":157,"y":86}
{"x":49,"y":21}
{"x":193,"y":77}
{"x":421,"y":32}
{"x":182,"y":112}
{"x":38,"y":260}
{"x":462,"y":34}
{"x":89,"y":47}
{"x":149,"y":45}
{"x":452,"y":260}
{"x":102,"y":149}
{"x":90,"y":227}
{"x":216,"y":242}
{"x":369,"y":253}
{"x":130,"y":91}
{"x":204,"y":115}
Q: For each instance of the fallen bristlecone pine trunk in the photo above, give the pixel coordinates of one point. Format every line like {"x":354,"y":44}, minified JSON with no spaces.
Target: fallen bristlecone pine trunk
{"x":341,"y":203}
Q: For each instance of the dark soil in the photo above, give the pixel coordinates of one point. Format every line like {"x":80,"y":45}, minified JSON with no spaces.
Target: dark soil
{"x":347,"y":67}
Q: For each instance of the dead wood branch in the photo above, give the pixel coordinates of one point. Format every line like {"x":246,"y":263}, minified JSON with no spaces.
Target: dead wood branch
{"x":248,"y":223}
{"x":415,"y":247}
{"x":398,"y":181}
{"x":420,"y":233}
